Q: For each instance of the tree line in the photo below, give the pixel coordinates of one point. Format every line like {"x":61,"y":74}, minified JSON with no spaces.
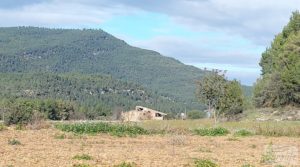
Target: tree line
{"x":278,"y":86}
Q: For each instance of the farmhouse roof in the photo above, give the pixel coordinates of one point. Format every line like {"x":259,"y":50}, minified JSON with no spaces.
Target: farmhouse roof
{"x":137,"y":107}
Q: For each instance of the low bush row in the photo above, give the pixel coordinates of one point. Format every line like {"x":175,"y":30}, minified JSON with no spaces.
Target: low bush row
{"x":219,"y":131}
{"x":101,"y":127}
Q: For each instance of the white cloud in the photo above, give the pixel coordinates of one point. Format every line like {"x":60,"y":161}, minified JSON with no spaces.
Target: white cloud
{"x":254,"y":21}
{"x":59,"y":14}
{"x":202,"y":50}
{"x":240,"y":62}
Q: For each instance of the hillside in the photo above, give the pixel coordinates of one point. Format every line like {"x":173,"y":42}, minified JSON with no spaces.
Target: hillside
{"x":91,"y":93}
{"x":29,"y":49}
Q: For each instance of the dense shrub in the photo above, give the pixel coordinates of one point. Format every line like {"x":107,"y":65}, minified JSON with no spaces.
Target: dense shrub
{"x":56,"y":109}
{"x":219,"y":131}
{"x":23,"y":111}
{"x":20,"y":113}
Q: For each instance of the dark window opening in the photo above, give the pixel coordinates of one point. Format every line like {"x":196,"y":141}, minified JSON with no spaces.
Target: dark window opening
{"x":158,"y":115}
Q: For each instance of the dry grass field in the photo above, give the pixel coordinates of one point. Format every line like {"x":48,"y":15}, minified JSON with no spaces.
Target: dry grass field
{"x":52,"y":147}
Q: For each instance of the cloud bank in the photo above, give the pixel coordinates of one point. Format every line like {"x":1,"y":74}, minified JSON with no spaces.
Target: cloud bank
{"x":224,"y":34}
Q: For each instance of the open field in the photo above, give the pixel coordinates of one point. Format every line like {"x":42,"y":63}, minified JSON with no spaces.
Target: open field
{"x":177,"y":147}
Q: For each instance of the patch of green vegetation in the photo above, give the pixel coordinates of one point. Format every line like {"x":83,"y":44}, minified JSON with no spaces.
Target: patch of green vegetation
{"x":243,"y":133}
{"x":94,"y":128}
{"x":60,"y":136}
{"x":219,"y":131}
{"x":247,"y":165}
{"x":14,"y":142}
{"x":2,"y":127}
{"x":83,"y":157}
{"x":81,"y":165}
{"x":233,"y":139}
{"x":126,"y":164}
{"x":268,"y":156}
{"x":204,"y":163}
{"x":20,"y":126}
{"x":203,"y":149}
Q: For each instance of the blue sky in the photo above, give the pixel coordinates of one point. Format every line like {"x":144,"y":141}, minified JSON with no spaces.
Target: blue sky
{"x":217,"y":34}
{"x":198,"y":48}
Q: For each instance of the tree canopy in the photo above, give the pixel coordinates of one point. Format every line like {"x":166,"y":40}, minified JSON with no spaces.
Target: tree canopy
{"x":223,"y":97}
{"x":279,"y":84}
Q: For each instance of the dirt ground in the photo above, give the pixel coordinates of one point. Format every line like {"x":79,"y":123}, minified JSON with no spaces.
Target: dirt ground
{"x":43,"y":148}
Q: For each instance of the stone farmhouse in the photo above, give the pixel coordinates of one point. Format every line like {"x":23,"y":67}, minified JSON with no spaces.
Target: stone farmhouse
{"x":142,"y":113}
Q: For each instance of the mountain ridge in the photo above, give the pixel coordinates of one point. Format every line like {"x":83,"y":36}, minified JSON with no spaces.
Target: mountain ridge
{"x":90,"y":51}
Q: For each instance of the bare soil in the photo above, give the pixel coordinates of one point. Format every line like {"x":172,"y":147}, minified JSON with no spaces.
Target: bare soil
{"x":43,"y":148}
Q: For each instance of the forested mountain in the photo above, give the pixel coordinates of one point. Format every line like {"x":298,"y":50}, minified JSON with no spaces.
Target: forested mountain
{"x":280,"y":81}
{"x":29,"y":49}
{"x":38,"y":61}
{"x":79,"y":65}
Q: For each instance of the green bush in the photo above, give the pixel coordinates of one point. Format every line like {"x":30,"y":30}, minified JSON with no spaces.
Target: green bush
{"x":219,"y":131}
{"x":56,"y":109}
{"x":204,"y":163}
{"x":19,"y":114}
{"x":94,"y":128}
{"x":24,"y":111}
{"x":82,"y":157}
{"x":243,"y":133}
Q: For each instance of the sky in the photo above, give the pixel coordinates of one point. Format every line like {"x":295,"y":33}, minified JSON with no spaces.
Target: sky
{"x":215,"y":34}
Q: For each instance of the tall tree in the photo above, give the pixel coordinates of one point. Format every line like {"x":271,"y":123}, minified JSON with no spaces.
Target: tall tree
{"x":279,"y":84}
{"x":221,"y":96}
